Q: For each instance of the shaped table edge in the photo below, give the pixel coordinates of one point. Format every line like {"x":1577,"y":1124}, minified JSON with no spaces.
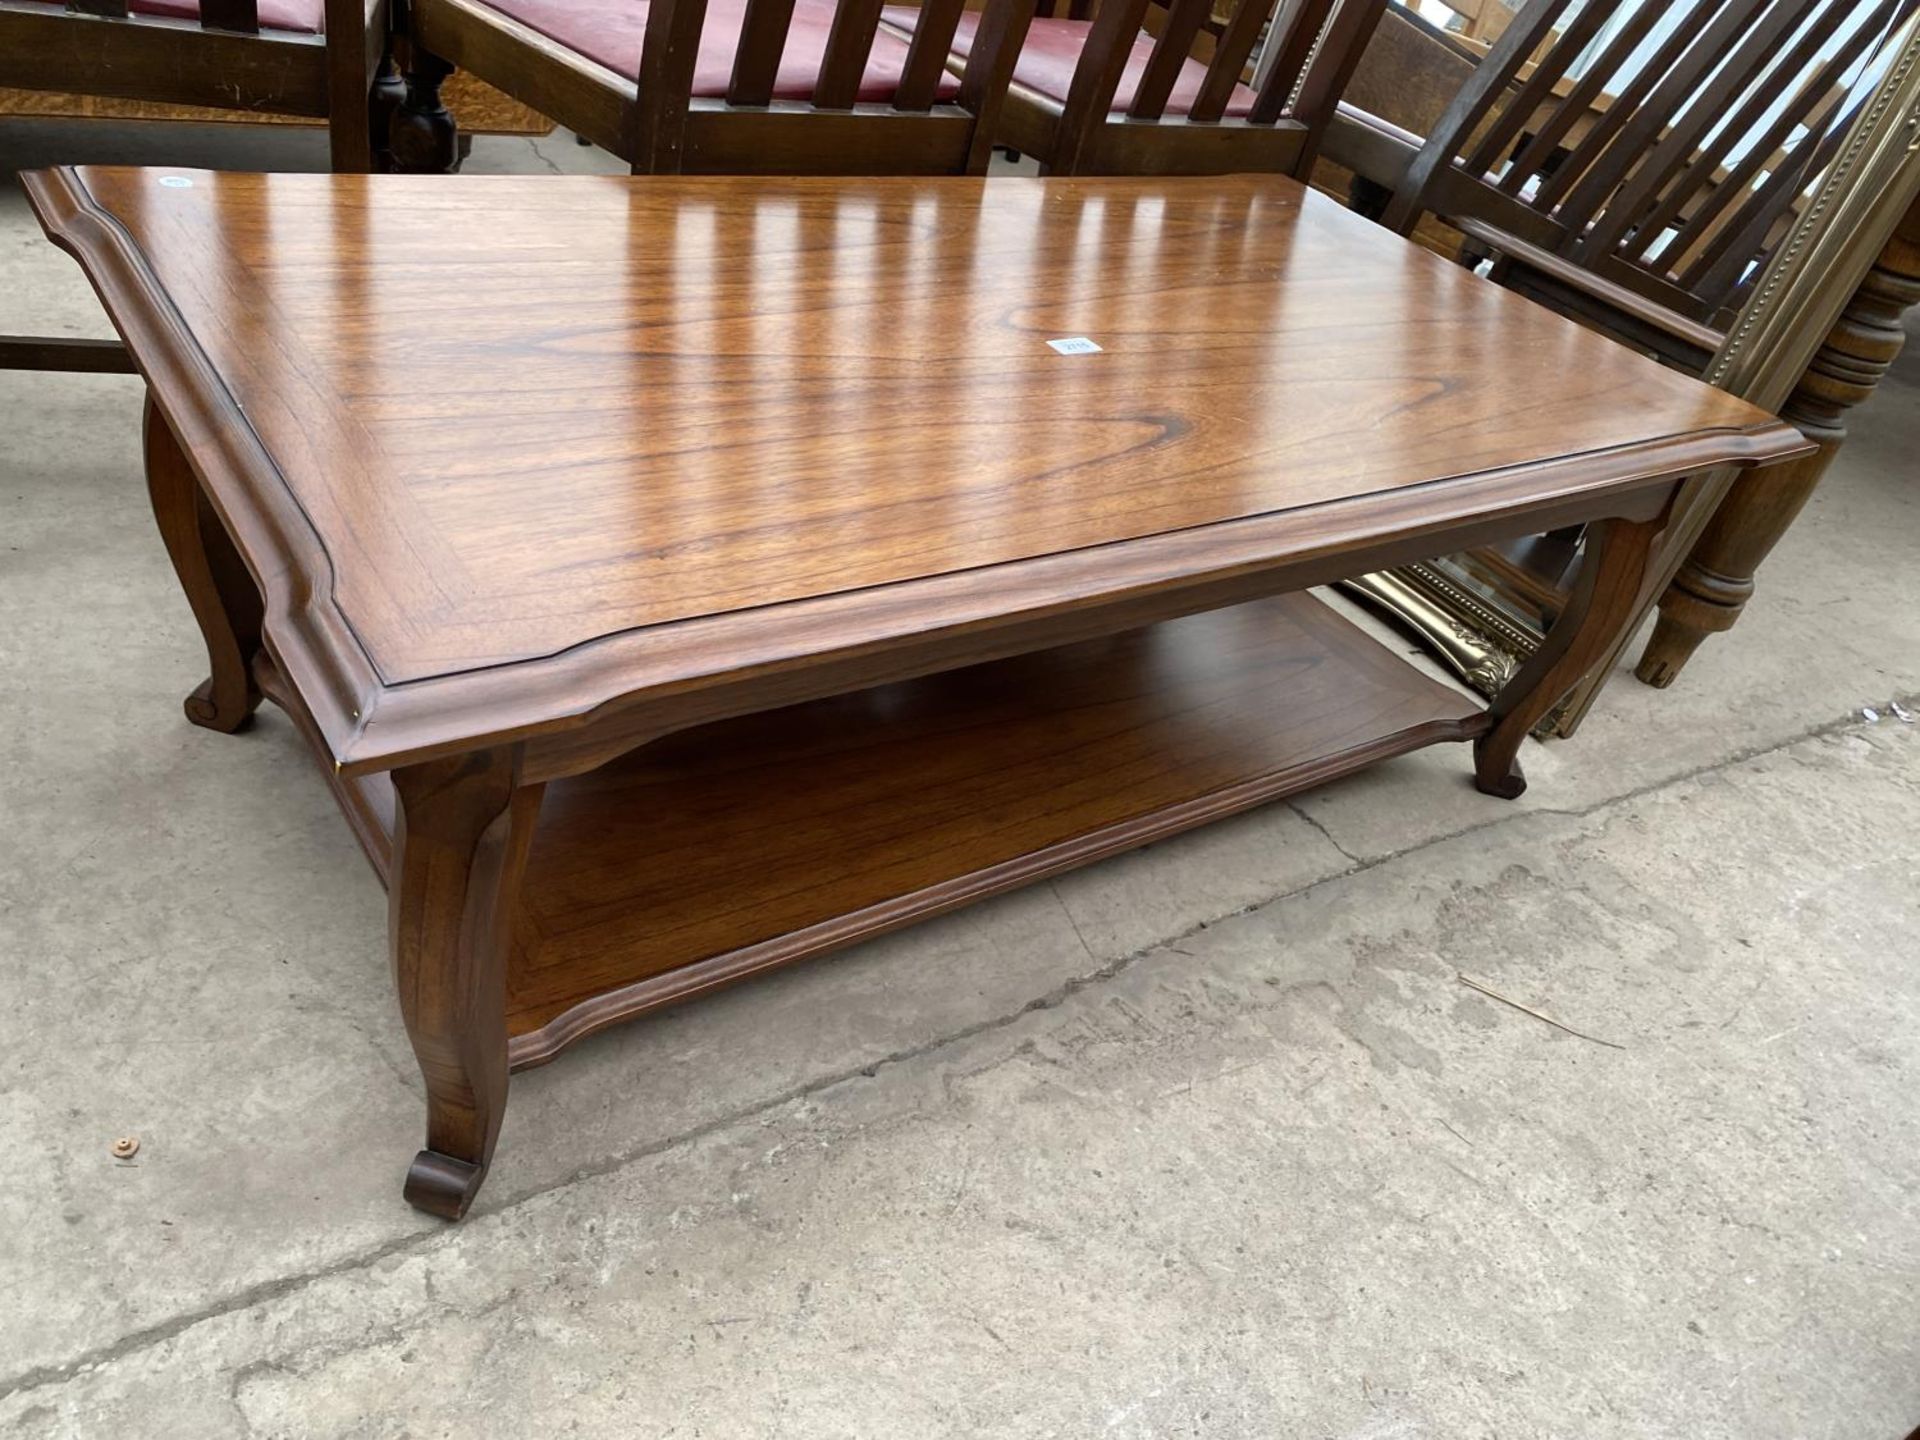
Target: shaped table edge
{"x":581,"y":705}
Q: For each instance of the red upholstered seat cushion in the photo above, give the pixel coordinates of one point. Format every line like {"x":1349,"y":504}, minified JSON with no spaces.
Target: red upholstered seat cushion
{"x":305,"y":17}
{"x":1053,"y":49}
{"x":610,"y":33}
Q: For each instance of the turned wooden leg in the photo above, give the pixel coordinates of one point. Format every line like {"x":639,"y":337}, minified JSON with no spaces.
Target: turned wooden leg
{"x":1604,"y":599}
{"x":462,"y":827}
{"x":224,"y":598}
{"x":1716,"y":581}
{"x":384,"y":99}
{"x":422,"y":137}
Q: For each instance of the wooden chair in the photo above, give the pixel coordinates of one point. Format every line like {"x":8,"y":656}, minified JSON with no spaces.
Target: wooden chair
{"x":320,"y":58}
{"x":1650,"y":216}
{"x":1637,"y":178}
{"x":1101,"y":96}
{"x":771,"y":87}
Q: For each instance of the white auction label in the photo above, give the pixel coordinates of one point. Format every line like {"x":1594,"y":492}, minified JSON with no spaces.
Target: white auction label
{"x":1078,"y":345}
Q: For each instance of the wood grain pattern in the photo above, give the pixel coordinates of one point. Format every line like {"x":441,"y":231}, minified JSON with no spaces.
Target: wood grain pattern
{"x":818,"y":407}
{"x":694,"y":862}
{"x":698,"y":860}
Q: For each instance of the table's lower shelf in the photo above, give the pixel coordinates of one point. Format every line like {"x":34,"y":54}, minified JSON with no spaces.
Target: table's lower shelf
{"x":727,"y":849}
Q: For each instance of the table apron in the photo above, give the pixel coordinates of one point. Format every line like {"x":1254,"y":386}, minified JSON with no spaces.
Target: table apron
{"x":624,"y":724}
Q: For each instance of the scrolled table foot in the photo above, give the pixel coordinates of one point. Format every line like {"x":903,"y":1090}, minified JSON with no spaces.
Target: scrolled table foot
{"x":462,"y":828}
{"x":1492,"y":775}
{"x":208,"y":708}
{"x":1605,"y":595}
{"x":443,"y":1185}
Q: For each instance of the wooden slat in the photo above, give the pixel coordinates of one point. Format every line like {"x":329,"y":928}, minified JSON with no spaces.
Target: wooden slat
{"x":1467,"y":109}
{"x":1701,"y":194}
{"x":1330,"y":71}
{"x":1103,"y":60}
{"x":1748,"y":67}
{"x":989,"y":72}
{"x":1537,"y":89}
{"x":1681,"y":84}
{"x":1718,"y":269}
{"x":87,"y":357}
{"x":1624,"y":102}
{"x":1292,"y":49}
{"x":1578,"y":103}
{"x":756,"y":60}
{"x":667,"y":58}
{"x":927,"y":54}
{"x":1171,"y":51}
{"x":1230,"y":60}
{"x":849,"y":43}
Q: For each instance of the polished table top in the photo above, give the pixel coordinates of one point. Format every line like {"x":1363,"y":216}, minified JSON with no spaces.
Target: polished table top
{"x":519,"y":416}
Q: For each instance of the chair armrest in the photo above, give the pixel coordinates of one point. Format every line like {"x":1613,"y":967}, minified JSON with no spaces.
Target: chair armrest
{"x":1564,"y":272}
{"x":1376,"y":149}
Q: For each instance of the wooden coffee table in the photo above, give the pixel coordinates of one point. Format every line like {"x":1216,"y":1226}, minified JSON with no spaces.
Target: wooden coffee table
{"x":678,"y":578}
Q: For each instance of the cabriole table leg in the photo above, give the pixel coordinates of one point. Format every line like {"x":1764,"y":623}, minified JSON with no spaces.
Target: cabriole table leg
{"x":1605,"y":598}
{"x":224,"y":598}
{"x":462,"y":829}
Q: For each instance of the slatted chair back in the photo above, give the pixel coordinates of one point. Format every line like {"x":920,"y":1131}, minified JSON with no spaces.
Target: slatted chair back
{"x":1660,"y":146}
{"x":925,"y":125}
{"x":1308,"y":49}
{"x":223,"y":59}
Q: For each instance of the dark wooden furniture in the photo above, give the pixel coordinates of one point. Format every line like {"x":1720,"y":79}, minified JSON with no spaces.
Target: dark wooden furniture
{"x":234,"y":55}
{"x":766,"y":87}
{"x":1104,"y":97}
{"x":835,"y":595}
{"x":1651,"y":218}
{"x":1637,"y":178}
{"x":1716,"y":580}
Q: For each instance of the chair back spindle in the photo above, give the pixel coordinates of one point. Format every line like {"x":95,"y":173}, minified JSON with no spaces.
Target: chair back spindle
{"x":756,"y":62}
{"x":849,"y":44}
{"x":1659,"y":147}
{"x":922,"y":126}
{"x":1311,"y":45}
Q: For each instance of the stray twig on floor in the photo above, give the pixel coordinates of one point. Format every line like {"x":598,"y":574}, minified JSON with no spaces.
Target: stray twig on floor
{"x":1488,"y":990}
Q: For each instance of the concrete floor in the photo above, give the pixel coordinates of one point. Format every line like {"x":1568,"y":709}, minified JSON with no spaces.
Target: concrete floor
{"x":1211,"y":1140}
